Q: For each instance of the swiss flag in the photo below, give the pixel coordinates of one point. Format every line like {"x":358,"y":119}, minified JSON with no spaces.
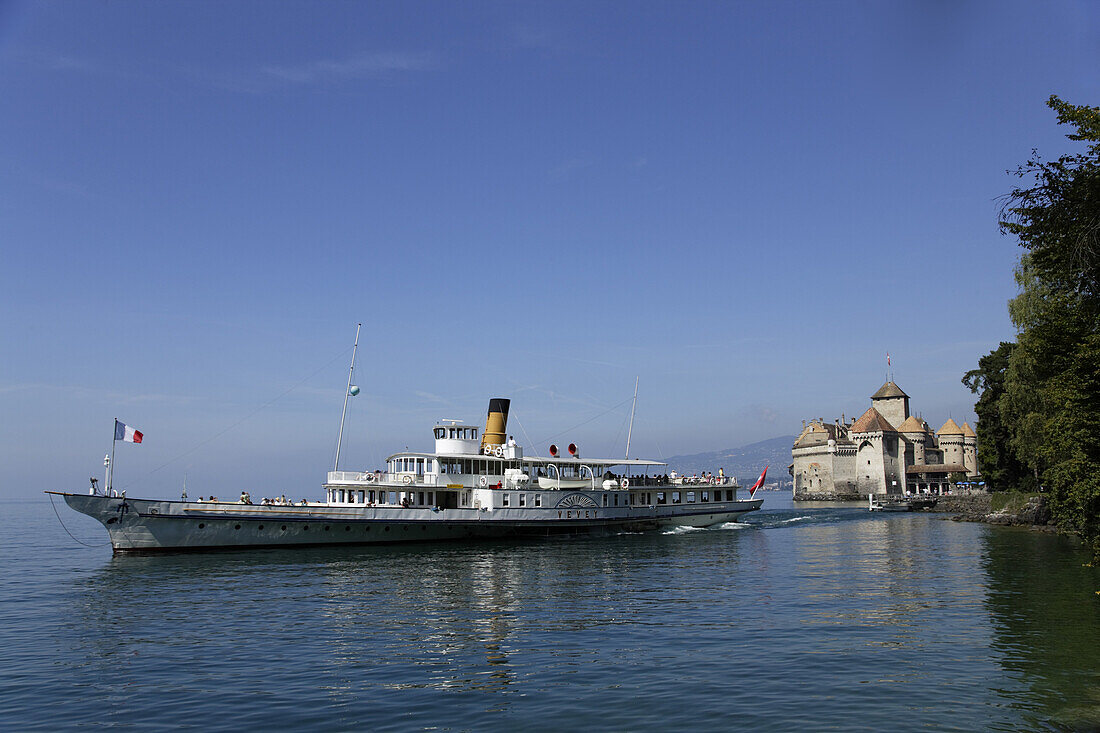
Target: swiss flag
{"x":759,"y":482}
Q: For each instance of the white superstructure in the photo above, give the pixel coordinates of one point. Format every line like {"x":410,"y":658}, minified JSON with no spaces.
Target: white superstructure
{"x":474,"y":484}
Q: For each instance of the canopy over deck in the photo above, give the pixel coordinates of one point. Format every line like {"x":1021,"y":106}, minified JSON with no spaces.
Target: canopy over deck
{"x":563,"y":460}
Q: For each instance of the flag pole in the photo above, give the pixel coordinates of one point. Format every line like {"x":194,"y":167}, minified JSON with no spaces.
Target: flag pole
{"x":111,"y":468}
{"x":347,"y":393}
{"x":632,"y":406}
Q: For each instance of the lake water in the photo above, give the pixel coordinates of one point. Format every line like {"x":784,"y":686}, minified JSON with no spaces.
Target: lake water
{"x":799,"y":618}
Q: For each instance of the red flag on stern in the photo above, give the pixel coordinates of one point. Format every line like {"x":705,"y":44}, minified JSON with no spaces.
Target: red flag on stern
{"x":759,"y":482}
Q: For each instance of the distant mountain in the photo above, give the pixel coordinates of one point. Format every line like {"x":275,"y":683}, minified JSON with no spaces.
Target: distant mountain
{"x":745,"y":462}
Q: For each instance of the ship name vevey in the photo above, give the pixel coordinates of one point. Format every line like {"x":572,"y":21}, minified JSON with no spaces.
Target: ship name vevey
{"x":577,"y":514}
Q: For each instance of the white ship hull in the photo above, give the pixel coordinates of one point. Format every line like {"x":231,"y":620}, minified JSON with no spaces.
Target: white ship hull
{"x":470,"y":486}
{"x":149,"y":525}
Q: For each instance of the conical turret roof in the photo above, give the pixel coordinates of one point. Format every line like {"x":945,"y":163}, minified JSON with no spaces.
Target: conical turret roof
{"x":950,"y":428}
{"x":969,"y":431}
{"x":911,"y":425}
{"x":888,"y":390}
{"x":872,"y":421}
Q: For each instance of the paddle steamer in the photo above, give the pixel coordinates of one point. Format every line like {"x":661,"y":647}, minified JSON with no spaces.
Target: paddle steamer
{"x":475,"y":484}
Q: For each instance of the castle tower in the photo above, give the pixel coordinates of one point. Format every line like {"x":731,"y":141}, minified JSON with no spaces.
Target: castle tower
{"x":915,"y":434}
{"x":951,"y":440}
{"x":970,"y":450}
{"x":880,"y":455}
{"x":891,"y":403}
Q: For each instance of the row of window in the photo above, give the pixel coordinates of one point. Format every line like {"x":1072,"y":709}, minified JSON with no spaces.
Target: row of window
{"x":474,"y":466}
{"x":688,"y":497}
{"x":610,"y":499}
{"x":419,"y":466}
{"x":521,"y":500}
{"x":370,"y":496}
{"x":638,"y":498}
{"x":455,"y":432}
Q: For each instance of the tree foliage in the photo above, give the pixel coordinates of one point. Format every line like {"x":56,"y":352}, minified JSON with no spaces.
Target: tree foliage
{"x":1049,"y":404}
{"x":1002,"y":469}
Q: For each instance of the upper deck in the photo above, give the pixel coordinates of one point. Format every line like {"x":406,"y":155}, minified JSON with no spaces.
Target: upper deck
{"x":466,"y":459}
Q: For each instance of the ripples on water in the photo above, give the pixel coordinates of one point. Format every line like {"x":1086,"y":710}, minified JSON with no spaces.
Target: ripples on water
{"x":805,"y":617}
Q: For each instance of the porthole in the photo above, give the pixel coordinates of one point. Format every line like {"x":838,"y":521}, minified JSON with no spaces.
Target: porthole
{"x":305,"y":528}
{"x":237,"y":527}
{"x":367,"y":528}
{"x":260,"y":527}
{"x":201,"y":525}
{"x":284,"y":528}
{"x":387,"y":529}
{"x":347,"y":529}
{"x":405,"y":528}
{"x":326,"y":528}
{"x":424,"y":528}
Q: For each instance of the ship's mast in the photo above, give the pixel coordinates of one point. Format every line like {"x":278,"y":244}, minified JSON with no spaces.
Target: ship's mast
{"x":632,"y":406}
{"x":347,"y":393}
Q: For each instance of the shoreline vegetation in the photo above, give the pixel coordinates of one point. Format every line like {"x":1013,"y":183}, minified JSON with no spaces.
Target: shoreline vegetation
{"x":1038,"y":403}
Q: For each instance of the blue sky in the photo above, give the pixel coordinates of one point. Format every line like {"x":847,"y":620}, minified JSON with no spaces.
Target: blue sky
{"x":745,"y":205}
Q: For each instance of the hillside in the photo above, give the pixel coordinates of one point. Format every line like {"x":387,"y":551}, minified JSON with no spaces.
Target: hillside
{"x":745,"y":462}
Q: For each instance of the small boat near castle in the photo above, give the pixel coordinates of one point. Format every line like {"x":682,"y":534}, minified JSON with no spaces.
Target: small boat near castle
{"x":474,"y":484}
{"x":900,"y":503}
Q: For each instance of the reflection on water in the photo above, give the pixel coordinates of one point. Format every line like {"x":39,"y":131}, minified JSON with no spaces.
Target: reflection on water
{"x":1044,"y":620}
{"x":868,"y":621}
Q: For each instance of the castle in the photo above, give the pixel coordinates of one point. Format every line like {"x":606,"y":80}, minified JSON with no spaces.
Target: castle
{"x":871,"y":456}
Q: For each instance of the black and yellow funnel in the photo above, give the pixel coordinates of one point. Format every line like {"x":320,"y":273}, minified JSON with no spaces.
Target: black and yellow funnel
{"x":496,"y":423}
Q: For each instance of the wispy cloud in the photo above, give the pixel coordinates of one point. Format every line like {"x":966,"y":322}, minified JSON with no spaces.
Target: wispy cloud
{"x":568,"y":168}
{"x":69,"y":63}
{"x":432,"y":398}
{"x":69,"y":188}
{"x":256,"y":79}
{"x":527,"y":36}
{"x":120,"y":398}
{"x":761,"y":413}
{"x":353,"y":67}
{"x":539,"y":37}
